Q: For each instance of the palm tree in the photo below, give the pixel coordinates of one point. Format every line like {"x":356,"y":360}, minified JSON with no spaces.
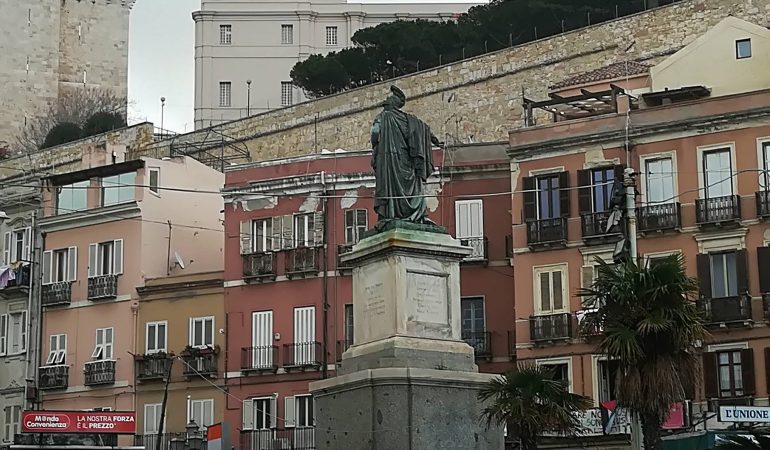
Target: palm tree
{"x":530,"y":402}
{"x":757,"y":441}
{"x":652,"y":327}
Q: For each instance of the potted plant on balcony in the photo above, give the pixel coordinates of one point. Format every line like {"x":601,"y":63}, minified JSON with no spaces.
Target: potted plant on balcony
{"x":194,"y":351}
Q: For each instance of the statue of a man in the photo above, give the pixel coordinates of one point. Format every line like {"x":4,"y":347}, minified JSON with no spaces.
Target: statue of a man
{"x":402,"y":160}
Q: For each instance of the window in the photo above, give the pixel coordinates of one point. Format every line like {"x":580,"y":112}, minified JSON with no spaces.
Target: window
{"x":12,"y":422}
{"x":225,"y":34}
{"x":601,"y":192}
{"x":550,"y":290}
{"x":201,"y":412}
{"x":105,"y":258}
{"x":764,"y":176}
{"x":331,"y":35}
{"x":472,"y":316}
{"x":548,"y":197}
{"x":469,"y":219}
{"x":118,"y":188}
{"x":264,"y":413}
{"x":261,"y":235}
{"x":156,"y":337}
{"x":287,"y":34}
{"x":72,"y":197}
{"x":202,"y":332}
{"x":152,"y":413}
{"x":58,"y":350}
{"x":356,"y":223}
{"x":13,"y":333}
{"x":154,"y":180}
{"x":559,"y":371}
{"x":304,"y":336}
{"x":730,"y":373}
{"x":304,"y":411}
{"x":225,"y":93}
{"x":724,"y":274}
{"x":717,"y":173}
{"x":287,"y":93}
{"x":303,"y":230}
{"x":608,"y":376}
{"x":348,"y":325}
{"x":743,"y":48}
{"x":60,"y":266}
{"x":262,"y":339}
{"x":103,"y":348}
{"x":16,"y":246}
{"x":660,"y":180}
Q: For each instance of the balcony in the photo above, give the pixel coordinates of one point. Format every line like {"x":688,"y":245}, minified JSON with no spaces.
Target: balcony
{"x":299,"y":438}
{"x":546,"y":233}
{"x":342,"y":346}
{"x":343,"y":250}
{"x":53,"y":377}
{"x":718,"y":211}
{"x":479,"y":249}
{"x":586,"y":325}
{"x":659,"y":218}
{"x":57,"y":294}
{"x":152,"y":367}
{"x":481,"y":341}
{"x":257,"y":359}
{"x":302,"y":261}
{"x":102,"y":287}
{"x":260,"y":266}
{"x":763,"y":203}
{"x":19,"y":283}
{"x":200,"y":361}
{"x":168,"y":441}
{"x":766,"y":305}
{"x":551,"y":327}
{"x":302,"y":355}
{"x":594,"y":227}
{"x":726,"y":310}
{"x":99,"y":372}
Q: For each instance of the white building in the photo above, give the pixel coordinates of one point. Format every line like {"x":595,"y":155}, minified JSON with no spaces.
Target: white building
{"x":261,"y":40}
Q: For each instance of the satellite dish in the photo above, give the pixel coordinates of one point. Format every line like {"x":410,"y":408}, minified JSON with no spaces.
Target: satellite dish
{"x":179,"y":260}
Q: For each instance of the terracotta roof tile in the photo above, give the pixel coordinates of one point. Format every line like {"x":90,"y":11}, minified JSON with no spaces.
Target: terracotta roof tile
{"x":612,"y":71}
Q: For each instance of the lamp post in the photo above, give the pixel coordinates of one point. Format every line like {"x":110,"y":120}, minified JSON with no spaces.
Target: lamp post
{"x":162,"y":114}
{"x":248,"y":98}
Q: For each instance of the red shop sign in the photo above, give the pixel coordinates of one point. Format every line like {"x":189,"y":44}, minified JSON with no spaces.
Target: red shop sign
{"x":112,"y":422}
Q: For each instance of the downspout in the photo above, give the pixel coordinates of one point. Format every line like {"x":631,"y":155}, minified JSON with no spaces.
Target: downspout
{"x":39,"y":338}
{"x":33,"y":269}
{"x":168,"y":252}
{"x":324,"y":264}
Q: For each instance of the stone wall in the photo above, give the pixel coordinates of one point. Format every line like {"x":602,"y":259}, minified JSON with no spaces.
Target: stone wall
{"x":486,"y":91}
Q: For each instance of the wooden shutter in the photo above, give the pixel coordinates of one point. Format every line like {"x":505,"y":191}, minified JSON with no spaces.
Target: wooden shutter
{"x":248,"y":414}
{"x":287,"y":231}
{"x":3,"y":333}
{"x":703,"y":261}
{"x":767,"y":366}
{"x":747,"y":369}
{"x":584,"y":191}
{"x":262,"y":338}
{"x":318,"y":228}
{"x":289,"y":414}
{"x":588,"y":276}
{"x":72,"y":263}
{"x":117,"y":255}
{"x":24,"y":331}
{"x":27,"y":243}
{"x":304,"y":325}
{"x":275,"y":237}
{"x":92,"y":257}
{"x":710,"y":382}
{"x":274,"y":411}
{"x":564,"y":191}
{"x":763,"y":263}
{"x":47,"y":266}
{"x":530,"y":198}
{"x":741,"y":270}
{"x":7,"y":248}
{"x":245,"y":235}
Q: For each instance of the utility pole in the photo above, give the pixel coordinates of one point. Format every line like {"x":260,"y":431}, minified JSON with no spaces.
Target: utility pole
{"x":630,"y":184}
{"x":159,"y":440}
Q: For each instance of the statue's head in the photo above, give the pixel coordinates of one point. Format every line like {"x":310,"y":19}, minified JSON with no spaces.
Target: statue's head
{"x":396,"y":100}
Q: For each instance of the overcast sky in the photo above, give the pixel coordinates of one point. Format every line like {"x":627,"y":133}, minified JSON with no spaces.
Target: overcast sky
{"x":161,"y":60}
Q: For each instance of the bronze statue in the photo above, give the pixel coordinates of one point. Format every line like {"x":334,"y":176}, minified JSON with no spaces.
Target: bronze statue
{"x":402,"y":159}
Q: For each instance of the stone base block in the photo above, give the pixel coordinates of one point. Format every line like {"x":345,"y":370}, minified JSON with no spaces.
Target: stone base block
{"x":401,"y":351}
{"x":402,"y":408}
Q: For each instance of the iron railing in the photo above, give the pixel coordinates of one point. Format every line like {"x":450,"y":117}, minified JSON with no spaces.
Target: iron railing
{"x":259,"y":265}
{"x":152,"y":367}
{"x":717,"y":210}
{"x":299,"y":438}
{"x":481,"y":341}
{"x":53,"y":377}
{"x":99,"y":372}
{"x":259,"y":358}
{"x":200,"y":363}
{"x":342,"y":250}
{"x":660,"y":217}
{"x":102,"y":287}
{"x":766,"y":305}
{"x":21,"y":277}
{"x":57,"y":293}
{"x":763,"y":203}
{"x":303,"y":354}
{"x":587,"y":326}
{"x":546,"y":232}
{"x":550,"y":327}
{"x":150,"y":441}
{"x":302,"y":260}
{"x":342,"y":346}
{"x":479,"y":248}
{"x":726,"y":309}
{"x":594,"y":225}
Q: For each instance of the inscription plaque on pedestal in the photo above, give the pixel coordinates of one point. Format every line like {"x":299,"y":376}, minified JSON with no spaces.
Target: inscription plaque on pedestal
{"x":426,"y":297}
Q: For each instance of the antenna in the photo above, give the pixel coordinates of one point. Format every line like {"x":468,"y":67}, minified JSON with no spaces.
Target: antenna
{"x":179,"y":260}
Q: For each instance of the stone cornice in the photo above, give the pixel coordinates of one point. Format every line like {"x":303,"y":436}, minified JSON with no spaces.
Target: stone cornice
{"x":93,"y":216}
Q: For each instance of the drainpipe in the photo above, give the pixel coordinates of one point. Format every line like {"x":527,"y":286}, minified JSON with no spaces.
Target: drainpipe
{"x":38,"y":276}
{"x":324,"y":264}
{"x":168,"y":252}
{"x":134,"y":320}
{"x":32,"y":359}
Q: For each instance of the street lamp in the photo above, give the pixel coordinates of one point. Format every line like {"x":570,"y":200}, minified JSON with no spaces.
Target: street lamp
{"x":248,"y":98}
{"x":162,"y":114}
{"x":194,"y":437}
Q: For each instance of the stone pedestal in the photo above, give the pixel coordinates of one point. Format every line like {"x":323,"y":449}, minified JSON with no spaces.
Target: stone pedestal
{"x":408,"y":381}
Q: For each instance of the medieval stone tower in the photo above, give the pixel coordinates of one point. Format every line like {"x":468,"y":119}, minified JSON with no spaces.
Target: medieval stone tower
{"x":48,"y":47}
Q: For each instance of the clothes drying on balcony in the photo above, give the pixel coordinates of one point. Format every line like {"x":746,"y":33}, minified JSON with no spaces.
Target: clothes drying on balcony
{"x":6,"y":276}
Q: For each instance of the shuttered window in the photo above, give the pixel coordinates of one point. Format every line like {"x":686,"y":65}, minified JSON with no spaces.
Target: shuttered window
{"x":201,"y":412}
{"x":104,"y":344}
{"x":262,"y":339}
{"x":304,"y":335}
{"x":723,"y":274}
{"x":16,"y":245}
{"x":58,"y":349}
{"x":469,"y":219}
{"x":152,"y":417}
{"x":60,"y":265}
{"x":356,"y":223}
{"x":763,"y":267}
{"x":202,"y":332}
{"x":156,"y":337}
{"x":729,"y":373}
{"x":551,"y":295}
{"x":105,"y":258}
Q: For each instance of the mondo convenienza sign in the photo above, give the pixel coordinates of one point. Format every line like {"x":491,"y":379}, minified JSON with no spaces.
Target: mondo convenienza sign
{"x":78,"y":422}
{"x":744,"y":414}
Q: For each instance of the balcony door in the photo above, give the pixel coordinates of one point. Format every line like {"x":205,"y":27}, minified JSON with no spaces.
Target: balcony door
{"x":469,"y":225}
{"x":660,"y":181}
{"x":262,"y":339}
{"x":473,"y":323}
{"x":764,"y":176}
{"x":548,"y":197}
{"x":717,"y":173}
{"x":602,"y":181}
{"x":304,"y":335}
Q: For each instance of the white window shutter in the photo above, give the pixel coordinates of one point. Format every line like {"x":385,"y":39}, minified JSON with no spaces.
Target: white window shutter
{"x":72,"y":263}
{"x":274,"y":411}
{"x":248,"y":414}
{"x":117,"y":254}
{"x":289,"y":414}
{"x":276,"y":233}
{"x":27,"y":243}
{"x":7,"y":248}
{"x":92,"y":256}
{"x":47,"y":266}
{"x":461,"y":219}
{"x":3,"y":333}
{"x":246,"y":245}
{"x":24,"y":331}
{"x":318,"y":228}
{"x":287,"y":231}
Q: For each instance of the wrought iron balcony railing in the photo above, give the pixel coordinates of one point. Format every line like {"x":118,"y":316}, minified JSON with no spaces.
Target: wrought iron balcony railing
{"x":342,"y":250}
{"x":299,"y":438}
{"x":547,"y":232}
{"x":726,"y":309}
{"x":301,"y":261}
{"x":168,"y":441}
{"x":594,"y":225}
{"x":56,"y":294}
{"x":259,"y":358}
{"x":99,"y":372}
{"x":550,"y":327}
{"x":259,"y":265}
{"x":481,"y":341}
{"x":200,"y":361}
{"x":303,"y":354}
{"x":717,"y":210}
{"x":660,"y":217}
{"x":763,"y":203}
{"x":152,"y":366}
{"x":53,"y":377}
{"x":102,"y":287}
{"x":479,"y":248}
